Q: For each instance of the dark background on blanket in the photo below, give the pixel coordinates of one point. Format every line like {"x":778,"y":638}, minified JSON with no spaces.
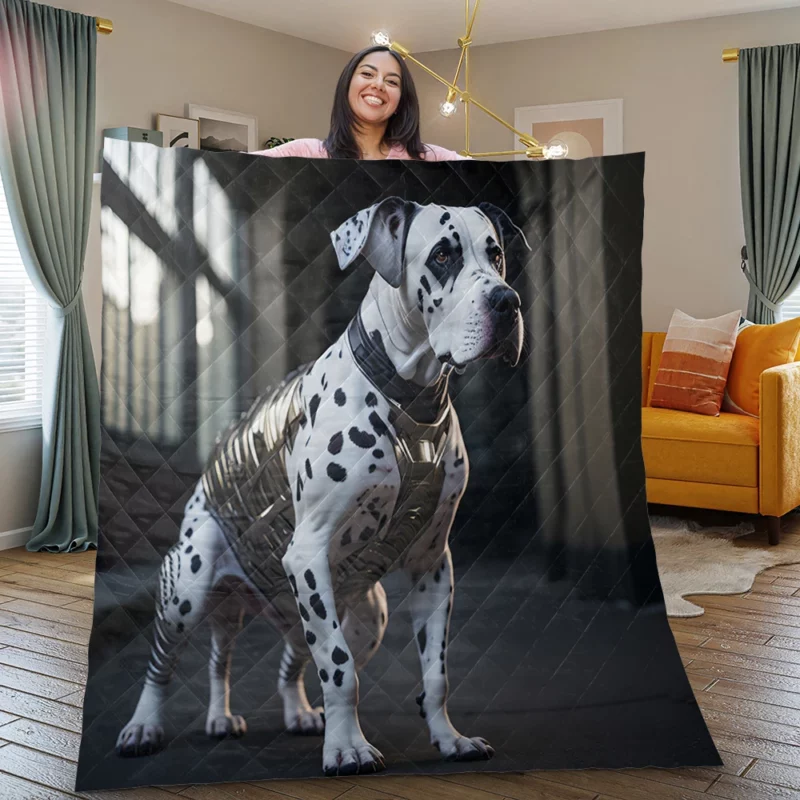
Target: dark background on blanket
{"x":560,"y":652}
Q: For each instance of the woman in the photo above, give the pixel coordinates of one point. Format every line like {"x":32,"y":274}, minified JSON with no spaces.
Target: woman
{"x":375,"y":115}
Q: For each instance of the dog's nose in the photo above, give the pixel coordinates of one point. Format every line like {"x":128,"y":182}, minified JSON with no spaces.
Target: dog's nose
{"x":504,"y":301}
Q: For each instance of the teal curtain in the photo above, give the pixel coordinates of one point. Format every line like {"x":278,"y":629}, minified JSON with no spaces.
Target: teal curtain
{"x":47,"y":106}
{"x":769,"y":148}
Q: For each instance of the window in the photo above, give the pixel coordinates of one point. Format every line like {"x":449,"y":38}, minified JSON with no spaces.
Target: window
{"x":790,"y":308}
{"x":22,"y":331}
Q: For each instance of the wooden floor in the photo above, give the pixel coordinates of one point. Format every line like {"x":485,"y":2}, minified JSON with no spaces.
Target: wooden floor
{"x":742,"y":656}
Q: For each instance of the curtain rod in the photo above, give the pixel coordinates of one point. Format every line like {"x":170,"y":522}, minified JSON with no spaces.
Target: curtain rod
{"x":730,"y":54}
{"x":105,"y":26}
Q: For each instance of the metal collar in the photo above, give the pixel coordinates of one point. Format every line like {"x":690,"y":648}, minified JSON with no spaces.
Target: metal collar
{"x":422,"y":403}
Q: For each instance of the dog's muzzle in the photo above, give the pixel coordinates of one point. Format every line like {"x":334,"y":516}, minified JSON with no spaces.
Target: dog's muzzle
{"x":505,"y":320}
{"x":504,"y":305}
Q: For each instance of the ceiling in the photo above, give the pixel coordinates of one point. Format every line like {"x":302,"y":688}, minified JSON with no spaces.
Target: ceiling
{"x":424,"y":25}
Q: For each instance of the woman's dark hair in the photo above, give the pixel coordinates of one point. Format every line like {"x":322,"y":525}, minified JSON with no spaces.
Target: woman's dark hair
{"x":402,"y":128}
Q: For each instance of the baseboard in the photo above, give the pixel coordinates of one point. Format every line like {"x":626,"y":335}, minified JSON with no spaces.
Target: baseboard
{"x":17,"y":538}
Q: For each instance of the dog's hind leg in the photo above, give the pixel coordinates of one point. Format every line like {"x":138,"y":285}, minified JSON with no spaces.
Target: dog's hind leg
{"x":226,"y":622}
{"x":185,"y":582}
{"x":298,"y":715}
{"x":364,"y":624}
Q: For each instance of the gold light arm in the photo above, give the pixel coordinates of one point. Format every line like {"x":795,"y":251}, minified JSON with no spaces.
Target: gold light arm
{"x":730,"y":54}
{"x":466,"y":105}
{"x":462,"y":57}
{"x":404,"y":52}
{"x":465,"y":55}
{"x":533,"y":149}
{"x":524,"y":137}
{"x":465,"y":97}
{"x":465,"y":41}
{"x":461,"y":60}
{"x":496,"y":153}
{"x":531,"y":152}
{"x":472,"y":20}
{"x":104,"y":26}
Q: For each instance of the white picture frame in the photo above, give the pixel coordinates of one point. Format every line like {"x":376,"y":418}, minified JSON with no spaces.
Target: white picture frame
{"x":224,"y":131}
{"x":179,"y":131}
{"x":609,"y":111}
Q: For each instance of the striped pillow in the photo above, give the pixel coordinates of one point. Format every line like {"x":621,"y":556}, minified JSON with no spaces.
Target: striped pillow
{"x":694,"y":363}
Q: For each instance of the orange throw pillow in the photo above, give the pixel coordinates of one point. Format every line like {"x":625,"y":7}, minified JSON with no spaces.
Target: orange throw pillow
{"x":758,"y":347}
{"x":694,"y":363}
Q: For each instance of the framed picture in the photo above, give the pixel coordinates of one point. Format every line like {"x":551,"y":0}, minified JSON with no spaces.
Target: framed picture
{"x":179,"y":132}
{"x":591,"y":128}
{"x":223,"y":131}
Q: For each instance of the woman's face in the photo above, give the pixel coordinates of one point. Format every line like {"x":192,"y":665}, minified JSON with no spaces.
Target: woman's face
{"x":375,"y":89}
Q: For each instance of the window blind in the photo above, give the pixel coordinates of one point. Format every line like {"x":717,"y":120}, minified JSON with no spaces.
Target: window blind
{"x":22,"y":334}
{"x":790,"y":308}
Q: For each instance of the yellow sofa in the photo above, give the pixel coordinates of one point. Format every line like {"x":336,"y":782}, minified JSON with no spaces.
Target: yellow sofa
{"x":731,"y":462}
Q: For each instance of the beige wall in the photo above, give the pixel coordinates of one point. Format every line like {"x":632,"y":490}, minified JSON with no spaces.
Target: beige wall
{"x":160,"y":57}
{"x":680,"y":106}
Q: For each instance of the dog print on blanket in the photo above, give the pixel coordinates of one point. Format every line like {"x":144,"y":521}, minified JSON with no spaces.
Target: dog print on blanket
{"x":351,"y":469}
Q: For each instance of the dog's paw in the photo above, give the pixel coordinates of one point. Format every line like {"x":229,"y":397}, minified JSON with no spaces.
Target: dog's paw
{"x":140,"y":740}
{"x":226,"y":725}
{"x":462,"y":748}
{"x":359,"y":759}
{"x":308,"y":722}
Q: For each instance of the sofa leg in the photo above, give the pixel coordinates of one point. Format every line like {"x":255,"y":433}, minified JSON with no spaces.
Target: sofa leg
{"x":774,"y":529}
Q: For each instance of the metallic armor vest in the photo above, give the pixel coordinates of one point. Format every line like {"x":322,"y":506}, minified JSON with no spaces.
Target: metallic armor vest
{"x":248,"y":490}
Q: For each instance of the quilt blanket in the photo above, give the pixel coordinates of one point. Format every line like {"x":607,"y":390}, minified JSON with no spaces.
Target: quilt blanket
{"x":372,"y":492}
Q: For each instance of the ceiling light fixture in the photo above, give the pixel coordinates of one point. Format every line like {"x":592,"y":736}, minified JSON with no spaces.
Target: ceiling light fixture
{"x":531,"y":147}
{"x":449,"y":107}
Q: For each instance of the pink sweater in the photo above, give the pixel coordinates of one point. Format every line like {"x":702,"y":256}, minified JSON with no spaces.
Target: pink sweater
{"x":312,"y":148}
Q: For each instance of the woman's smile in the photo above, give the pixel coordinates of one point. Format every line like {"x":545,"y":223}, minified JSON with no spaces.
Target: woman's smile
{"x":375,"y":89}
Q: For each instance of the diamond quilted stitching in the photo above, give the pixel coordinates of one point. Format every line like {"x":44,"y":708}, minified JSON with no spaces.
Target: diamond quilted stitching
{"x":557,"y":608}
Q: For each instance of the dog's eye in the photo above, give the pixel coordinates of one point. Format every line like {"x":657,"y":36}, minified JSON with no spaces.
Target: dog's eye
{"x":441,"y":257}
{"x":497,"y":260}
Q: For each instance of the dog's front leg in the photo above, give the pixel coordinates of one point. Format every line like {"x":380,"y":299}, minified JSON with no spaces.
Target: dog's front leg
{"x":307,"y":565}
{"x":431,"y":602}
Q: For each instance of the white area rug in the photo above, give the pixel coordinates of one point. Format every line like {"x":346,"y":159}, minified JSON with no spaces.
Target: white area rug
{"x":693,"y":559}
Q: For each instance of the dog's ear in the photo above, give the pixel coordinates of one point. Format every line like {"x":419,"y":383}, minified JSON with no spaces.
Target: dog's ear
{"x":503,"y":224}
{"x":380,"y":233}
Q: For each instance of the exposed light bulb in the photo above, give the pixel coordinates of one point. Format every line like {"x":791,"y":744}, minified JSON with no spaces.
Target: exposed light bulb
{"x":555,"y":149}
{"x":449,"y":107}
{"x":381,"y":39}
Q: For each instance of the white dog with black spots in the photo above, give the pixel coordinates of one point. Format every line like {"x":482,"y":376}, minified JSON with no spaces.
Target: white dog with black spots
{"x":438,"y":301}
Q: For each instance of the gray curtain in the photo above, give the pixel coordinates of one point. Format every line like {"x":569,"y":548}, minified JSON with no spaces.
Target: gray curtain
{"x":769,"y":150}
{"x":47,"y":104}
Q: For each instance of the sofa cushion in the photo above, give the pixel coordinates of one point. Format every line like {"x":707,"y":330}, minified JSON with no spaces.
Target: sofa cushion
{"x":681,"y":446}
{"x":758,"y":347}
